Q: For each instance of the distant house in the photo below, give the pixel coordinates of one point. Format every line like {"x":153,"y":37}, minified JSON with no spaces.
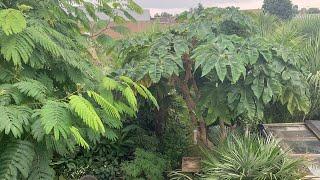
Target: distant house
{"x":143,"y":23}
{"x":164,"y":20}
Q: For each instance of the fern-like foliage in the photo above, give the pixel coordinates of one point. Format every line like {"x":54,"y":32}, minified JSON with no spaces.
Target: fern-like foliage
{"x":32,"y":88}
{"x":37,"y":129}
{"x":41,"y":169}
{"x":130,"y":97}
{"x":87,"y":113}
{"x":142,"y":90}
{"x":9,"y":93}
{"x":56,"y":119}
{"x":76,"y":134}
{"x":16,"y":159}
{"x":44,"y":61}
{"x":109,"y":84}
{"x":14,"y":119}
{"x":12,"y":21}
{"x":17,"y":48}
{"x":150,"y":96}
{"x":108,"y":107}
{"x":125,"y":109}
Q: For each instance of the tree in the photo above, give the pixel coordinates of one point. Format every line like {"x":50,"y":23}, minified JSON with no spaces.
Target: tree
{"x":281,"y":8}
{"x":224,"y":75}
{"x":52,"y":97}
{"x":199,"y":9}
{"x":303,"y":10}
{"x":295,"y":9}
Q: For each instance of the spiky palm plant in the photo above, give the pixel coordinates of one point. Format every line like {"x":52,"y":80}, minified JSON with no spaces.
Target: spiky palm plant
{"x":309,"y":28}
{"x":240,"y":157}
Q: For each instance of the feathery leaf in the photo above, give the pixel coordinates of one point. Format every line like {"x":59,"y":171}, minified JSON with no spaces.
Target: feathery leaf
{"x":56,"y":118}
{"x":12,"y":21}
{"x":108,"y":107}
{"x":13,"y":119}
{"x":16,"y":158}
{"x":87,"y":113}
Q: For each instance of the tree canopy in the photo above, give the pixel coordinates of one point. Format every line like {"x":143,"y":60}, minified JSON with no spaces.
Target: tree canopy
{"x":222,"y":68}
{"x":281,"y":8}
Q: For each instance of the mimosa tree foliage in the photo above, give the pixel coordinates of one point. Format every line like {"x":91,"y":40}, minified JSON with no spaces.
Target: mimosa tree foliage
{"x":51,"y":96}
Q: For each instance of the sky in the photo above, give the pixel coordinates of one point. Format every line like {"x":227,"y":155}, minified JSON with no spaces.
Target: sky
{"x":177,"y":6}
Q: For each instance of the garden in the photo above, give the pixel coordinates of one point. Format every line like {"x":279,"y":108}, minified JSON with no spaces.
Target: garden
{"x":76,"y":103}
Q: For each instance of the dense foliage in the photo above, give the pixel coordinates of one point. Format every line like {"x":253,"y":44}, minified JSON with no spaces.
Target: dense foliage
{"x":69,"y":94}
{"x":52,"y":98}
{"x":146,"y":165}
{"x":223,"y":69}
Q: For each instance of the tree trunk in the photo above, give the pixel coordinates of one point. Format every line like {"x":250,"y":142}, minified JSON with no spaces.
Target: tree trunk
{"x":223,"y":130}
{"x":160,"y":117}
{"x":183,"y":85}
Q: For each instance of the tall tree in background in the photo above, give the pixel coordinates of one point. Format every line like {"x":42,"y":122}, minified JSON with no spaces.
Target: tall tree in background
{"x":281,"y":8}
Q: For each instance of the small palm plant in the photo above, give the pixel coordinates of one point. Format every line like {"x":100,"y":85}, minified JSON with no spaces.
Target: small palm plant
{"x":250,"y":157}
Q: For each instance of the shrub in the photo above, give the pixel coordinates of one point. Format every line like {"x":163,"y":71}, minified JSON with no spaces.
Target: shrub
{"x":146,"y":165}
{"x":103,"y":160}
{"x":240,"y":157}
{"x":102,"y":167}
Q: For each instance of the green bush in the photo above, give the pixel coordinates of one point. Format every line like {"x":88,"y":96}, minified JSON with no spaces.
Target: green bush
{"x":146,"y":165}
{"x":99,"y":166}
{"x":103,"y":160}
{"x":251,"y":157}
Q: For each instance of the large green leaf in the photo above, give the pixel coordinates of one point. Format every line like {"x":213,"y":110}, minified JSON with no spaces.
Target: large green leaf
{"x":180,"y":46}
{"x":221,"y":69}
{"x":155,"y":71}
{"x":267,"y":94}
{"x":208,"y":65}
{"x":237,"y":69}
{"x":253,"y":56}
{"x":257,"y":86}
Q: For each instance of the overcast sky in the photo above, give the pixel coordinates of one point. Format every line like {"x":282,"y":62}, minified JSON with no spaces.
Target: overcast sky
{"x":176,"y":6}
